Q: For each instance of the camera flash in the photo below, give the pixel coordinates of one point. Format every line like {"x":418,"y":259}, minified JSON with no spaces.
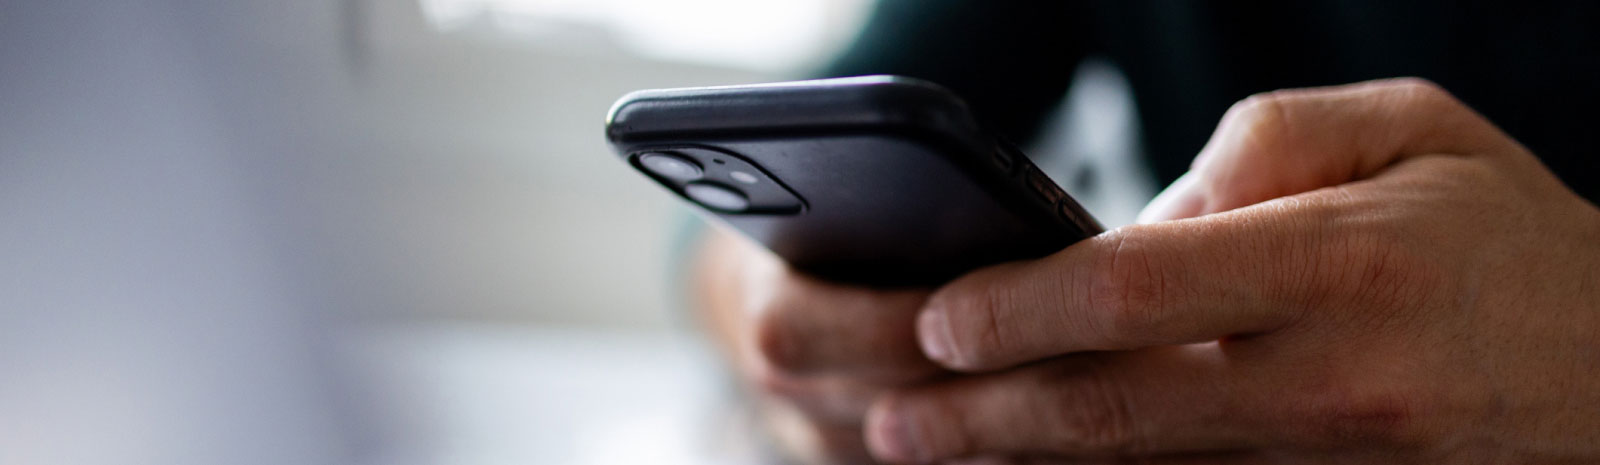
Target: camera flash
{"x":743,"y":177}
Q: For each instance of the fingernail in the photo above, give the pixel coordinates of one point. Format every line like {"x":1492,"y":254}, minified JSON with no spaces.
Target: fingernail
{"x":933,"y":334}
{"x":890,"y":438}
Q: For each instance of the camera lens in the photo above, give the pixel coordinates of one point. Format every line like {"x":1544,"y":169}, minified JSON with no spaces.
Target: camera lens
{"x":717,"y":197}
{"x":670,"y":166}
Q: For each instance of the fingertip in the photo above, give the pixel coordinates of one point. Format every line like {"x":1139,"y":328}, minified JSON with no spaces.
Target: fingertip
{"x":935,"y":337}
{"x":888,"y":433}
{"x":971,"y":324}
{"x":1180,"y":200}
{"x":775,"y":341}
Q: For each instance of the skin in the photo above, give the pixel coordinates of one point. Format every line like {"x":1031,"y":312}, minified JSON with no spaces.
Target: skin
{"x":1367,"y":273}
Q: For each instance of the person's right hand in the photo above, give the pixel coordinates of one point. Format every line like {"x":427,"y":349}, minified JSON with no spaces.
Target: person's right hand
{"x":816,"y":354}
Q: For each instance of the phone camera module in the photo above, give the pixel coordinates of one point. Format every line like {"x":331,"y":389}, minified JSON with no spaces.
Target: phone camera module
{"x":717,"y":180}
{"x":671,"y":166}
{"x":717,"y":197}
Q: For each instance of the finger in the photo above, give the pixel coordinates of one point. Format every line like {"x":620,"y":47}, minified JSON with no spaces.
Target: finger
{"x":1242,"y":272}
{"x":805,"y":440}
{"x":1292,"y":141}
{"x":1149,"y":402}
{"x":810,"y":327}
{"x":1179,"y":283}
{"x":823,"y":399}
{"x":1178,"y":200}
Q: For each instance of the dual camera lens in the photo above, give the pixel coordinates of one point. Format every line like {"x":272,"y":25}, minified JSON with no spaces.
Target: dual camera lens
{"x":718,"y":181}
{"x":682,"y":169}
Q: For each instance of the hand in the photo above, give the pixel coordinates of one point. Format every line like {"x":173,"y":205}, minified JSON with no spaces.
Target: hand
{"x":1371,"y":273}
{"x":815,"y":353}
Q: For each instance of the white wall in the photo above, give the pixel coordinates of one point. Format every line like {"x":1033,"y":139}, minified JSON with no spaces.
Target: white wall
{"x":488,"y":191}
{"x":480,"y":185}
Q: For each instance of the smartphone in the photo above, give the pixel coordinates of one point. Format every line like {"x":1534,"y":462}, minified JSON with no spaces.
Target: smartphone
{"x":878,"y":180}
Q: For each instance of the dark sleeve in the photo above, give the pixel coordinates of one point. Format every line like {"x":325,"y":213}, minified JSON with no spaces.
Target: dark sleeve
{"x":1011,"y":60}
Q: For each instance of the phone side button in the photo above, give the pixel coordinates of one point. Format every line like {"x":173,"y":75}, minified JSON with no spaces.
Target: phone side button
{"x":1043,"y":186}
{"x":1074,"y":213}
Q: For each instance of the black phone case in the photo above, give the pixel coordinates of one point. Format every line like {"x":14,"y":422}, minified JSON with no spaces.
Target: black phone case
{"x":898,"y":185}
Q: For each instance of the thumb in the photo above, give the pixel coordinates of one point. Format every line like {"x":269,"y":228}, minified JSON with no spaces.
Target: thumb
{"x":1182,"y":199}
{"x":1289,"y":142}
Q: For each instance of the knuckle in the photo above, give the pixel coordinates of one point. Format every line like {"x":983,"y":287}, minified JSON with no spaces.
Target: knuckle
{"x":1379,"y":266}
{"x":1091,"y":415}
{"x":1391,"y":273}
{"x":1264,"y":117}
{"x":779,"y":383}
{"x":1127,"y":293}
{"x":1419,"y":87}
{"x":1424,"y":96}
{"x":776,"y":383}
{"x":1349,"y":417}
{"x":777,"y":341}
{"x":936,"y":421}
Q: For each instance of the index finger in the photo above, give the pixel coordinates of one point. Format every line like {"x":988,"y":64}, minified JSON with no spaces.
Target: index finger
{"x":1138,"y":286}
{"x":1202,"y":279}
{"x":809,"y":327}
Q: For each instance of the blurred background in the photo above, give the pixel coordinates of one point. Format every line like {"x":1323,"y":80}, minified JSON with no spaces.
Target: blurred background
{"x":382,"y":231}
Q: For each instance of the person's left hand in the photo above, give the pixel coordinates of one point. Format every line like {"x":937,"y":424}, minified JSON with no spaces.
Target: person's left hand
{"x":1379,"y":274}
